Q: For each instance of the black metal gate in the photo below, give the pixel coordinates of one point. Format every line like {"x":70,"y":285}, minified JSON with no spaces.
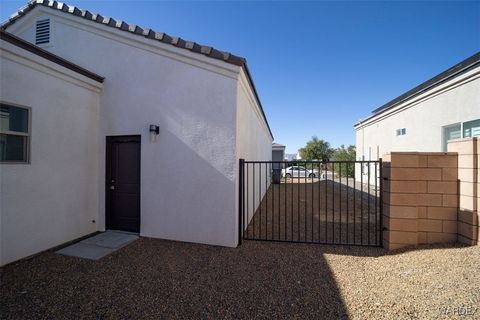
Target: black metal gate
{"x":327,"y":202}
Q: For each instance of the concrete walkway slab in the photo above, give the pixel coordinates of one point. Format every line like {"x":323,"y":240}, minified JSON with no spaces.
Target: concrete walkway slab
{"x":100,"y":245}
{"x":86,"y":251}
{"x":111,"y":239}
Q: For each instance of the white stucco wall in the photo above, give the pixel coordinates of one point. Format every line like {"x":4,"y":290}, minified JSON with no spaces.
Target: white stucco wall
{"x":188,"y":176}
{"x":254,"y":143}
{"x":423,"y":117}
{"x":54,"y":198}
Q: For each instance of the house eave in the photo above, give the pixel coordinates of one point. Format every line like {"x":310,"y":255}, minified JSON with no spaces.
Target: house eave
{"x":216,"y":57}
{"x":27,"y":46}
{"x":464,"y":66}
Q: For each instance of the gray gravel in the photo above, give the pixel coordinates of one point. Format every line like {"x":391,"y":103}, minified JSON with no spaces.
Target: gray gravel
{"x":322,"y":212}
{"x":157,"y":279}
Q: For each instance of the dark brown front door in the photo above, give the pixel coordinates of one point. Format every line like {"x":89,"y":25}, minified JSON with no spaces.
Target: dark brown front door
{"x":123,"y":183}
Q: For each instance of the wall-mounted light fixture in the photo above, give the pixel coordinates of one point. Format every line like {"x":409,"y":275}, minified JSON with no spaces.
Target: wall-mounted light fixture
{"x":154,"y":132}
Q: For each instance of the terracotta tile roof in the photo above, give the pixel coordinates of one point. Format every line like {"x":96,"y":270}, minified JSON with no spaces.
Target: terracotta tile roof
{"x":145,"y":32}
{"x":132,"y":28}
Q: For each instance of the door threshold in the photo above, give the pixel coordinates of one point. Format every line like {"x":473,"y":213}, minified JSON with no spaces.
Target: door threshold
{"x":122,"y":231}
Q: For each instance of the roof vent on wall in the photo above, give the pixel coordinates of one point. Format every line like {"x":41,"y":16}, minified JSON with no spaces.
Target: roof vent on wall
{"x":42,"y":31}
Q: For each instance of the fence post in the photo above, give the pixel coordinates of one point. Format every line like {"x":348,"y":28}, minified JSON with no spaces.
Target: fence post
{"x":381,"y":201}
{"x":240,"y":200}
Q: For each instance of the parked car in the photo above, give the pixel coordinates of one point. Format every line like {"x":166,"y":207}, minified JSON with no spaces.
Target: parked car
{"x":299,"y":172}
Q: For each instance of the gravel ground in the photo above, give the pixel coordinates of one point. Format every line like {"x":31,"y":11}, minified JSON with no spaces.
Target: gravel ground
{"x":321,"y":212}
{"x":158,"y":279}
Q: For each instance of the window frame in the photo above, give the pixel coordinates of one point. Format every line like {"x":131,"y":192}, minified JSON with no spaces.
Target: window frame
{"x":400,"y":132}
{"x":462,"y":132}
{"x":463,"y":129}
{"x":444,"y":136}
{"x":27,"y":134}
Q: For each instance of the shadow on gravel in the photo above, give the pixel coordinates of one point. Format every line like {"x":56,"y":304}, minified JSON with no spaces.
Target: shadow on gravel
{"x":358,"y":251}
{"x":154,"y":279}
{"x":159,"y":279}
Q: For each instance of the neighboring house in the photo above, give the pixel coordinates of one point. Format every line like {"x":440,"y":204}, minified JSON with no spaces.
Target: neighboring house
{"x":155,"y":149}
{"x":443,"y":108}
{"x":291,"y":156}
{"x":278,"y":154}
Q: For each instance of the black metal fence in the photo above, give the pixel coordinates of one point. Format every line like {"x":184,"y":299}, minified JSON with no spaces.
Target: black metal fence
{"x":327,"y":202}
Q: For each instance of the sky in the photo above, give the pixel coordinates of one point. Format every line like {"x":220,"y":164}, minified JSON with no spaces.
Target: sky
{"x":318,"y":66}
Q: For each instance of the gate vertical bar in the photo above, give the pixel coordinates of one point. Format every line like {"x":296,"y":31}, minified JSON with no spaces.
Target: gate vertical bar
{"x":376,"y":205}
{"x":361,"y":203}
{"x":291,"y":212}
{"x":340,"y":196}
{"x":253,"y":199}
{"x":285,"y":192}
{"x":333,"y":203}
{"x":305,"y":202}
{"x":381,"y":201}
{"x":266,"y":200}
{"x":240,"y":201}
{"x":273,"y":197}
{"x":279,"y":201}
{"x":260,"y":198}
{"x":354,"y":201}
{"x":368,"y":198}
{"x":319,"y":196}
{"x":347,"y":171}
{"x":246,"y":204}
{"x":326,"y":202}
{"x":313,"y":176}
{"x":298,"y":203}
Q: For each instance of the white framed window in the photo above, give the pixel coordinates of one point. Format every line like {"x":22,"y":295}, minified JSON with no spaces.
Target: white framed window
{"x":14,"y":133}
{"x":459,"y":130}
{"x":471,"y":129}
{"x":451,"y":132}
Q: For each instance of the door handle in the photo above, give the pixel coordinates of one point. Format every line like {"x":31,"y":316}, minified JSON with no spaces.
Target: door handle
{"x":112,"y":187}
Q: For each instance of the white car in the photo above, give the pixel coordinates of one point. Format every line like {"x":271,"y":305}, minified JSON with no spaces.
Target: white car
{"x":299,"y":172}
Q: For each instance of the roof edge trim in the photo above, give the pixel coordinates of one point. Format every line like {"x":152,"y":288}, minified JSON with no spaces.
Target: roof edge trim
{"x":451,"y":73}
{"x":16,"y":41}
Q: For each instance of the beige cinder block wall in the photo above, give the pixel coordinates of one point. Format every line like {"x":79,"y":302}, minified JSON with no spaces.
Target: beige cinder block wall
{"x":469,"y":180}
{"x":420,"y":198}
